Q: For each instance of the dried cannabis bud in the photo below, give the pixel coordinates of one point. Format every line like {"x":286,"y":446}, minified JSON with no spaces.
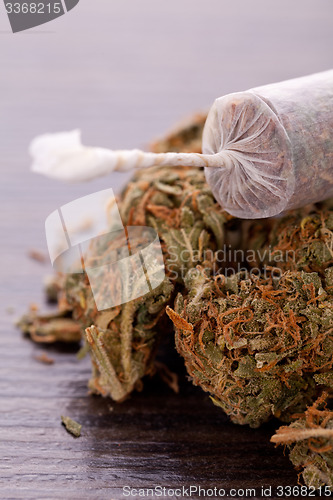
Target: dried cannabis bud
{"x":50,"y":328}
{"x":261,"y":346}
{"x":310,"y":443}
{"x":298,"y":241}
{"x":124,"y":339}
{"x":185,"y":138}
{"x":255,"y":344}
{"x":178,"y":204}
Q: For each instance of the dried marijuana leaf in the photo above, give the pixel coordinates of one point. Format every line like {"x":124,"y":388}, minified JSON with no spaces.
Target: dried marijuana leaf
{"x":309,"y":440}
{"x":44,"y":358}
{"x":50,"y":328}
{"x":71,"y":426}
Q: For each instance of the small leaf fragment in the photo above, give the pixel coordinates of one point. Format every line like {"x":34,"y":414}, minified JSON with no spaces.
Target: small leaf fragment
{"x":71,"y":426}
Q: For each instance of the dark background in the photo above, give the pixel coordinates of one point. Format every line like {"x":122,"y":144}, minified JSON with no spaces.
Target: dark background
{"x":124,"y":72}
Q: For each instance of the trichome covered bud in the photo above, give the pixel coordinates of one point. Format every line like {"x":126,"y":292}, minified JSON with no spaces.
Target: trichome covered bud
{"x":301,"y":240}
{"x":255,"y":344}
{"x":123,"y":340}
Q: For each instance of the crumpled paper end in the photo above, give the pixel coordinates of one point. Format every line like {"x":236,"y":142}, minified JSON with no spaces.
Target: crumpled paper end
{"x":60,"y":155}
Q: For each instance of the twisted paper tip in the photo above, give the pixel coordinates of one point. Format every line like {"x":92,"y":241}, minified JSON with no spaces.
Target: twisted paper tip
{"x":64,"y":157}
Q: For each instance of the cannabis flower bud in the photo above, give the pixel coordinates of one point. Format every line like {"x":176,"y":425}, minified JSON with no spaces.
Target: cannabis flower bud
{"x":178,"y":204}
{"x":181,"y":209}
{"x":297,"y":241}
{"x":255,"y":344}
{"x":259,"y":342}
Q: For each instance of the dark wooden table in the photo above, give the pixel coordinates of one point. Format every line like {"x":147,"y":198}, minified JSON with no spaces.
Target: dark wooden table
{"x":124,"y":72}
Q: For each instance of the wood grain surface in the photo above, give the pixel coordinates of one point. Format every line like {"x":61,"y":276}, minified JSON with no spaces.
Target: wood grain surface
{"x":124,"y":72}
